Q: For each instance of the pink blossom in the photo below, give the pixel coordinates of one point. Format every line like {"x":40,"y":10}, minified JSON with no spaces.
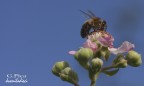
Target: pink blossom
{"x":72,"y":52}
{"x":104,"y":38}
{"x":125,"y":47}
{"x":90,"y":44}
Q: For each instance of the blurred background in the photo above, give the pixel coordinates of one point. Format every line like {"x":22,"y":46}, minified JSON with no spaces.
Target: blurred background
{"x":34,"y":34}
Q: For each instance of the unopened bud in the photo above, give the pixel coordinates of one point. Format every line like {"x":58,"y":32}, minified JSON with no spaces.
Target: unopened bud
{"x":83,"y":54}
{"x":69,"y":75}
{"x":96,"y":64}
{"x":58,"y":67}
{"x":133,"y":58}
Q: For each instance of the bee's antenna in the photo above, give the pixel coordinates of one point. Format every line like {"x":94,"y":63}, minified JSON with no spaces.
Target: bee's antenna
{"x":86,"y":14}
{"x":91,"y":13}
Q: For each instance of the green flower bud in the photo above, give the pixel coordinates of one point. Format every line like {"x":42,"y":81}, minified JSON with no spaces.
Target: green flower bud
{"x":58,"y":67}
{"x":133,"y":58}
{"x":96,"y":64}
{"x":69,"y":75}
{"x":119,"y":61}
{"x":83,"y":54}
{"x":105,"y":53}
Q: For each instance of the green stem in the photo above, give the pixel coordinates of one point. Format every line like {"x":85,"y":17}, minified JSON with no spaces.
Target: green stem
{"x":93,"y":78}
{"x":76,"y":85}
{"x":93,"y":83}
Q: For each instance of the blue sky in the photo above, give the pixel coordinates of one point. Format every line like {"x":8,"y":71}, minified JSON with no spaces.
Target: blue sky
{"x":34,"y":34}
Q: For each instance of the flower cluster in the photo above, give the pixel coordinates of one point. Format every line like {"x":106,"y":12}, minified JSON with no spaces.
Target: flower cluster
{"x":97,"y":48}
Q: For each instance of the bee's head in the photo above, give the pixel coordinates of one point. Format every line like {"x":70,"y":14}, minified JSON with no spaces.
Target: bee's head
{"x":103,"y":24}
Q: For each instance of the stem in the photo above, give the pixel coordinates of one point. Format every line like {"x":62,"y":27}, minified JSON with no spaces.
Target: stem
{"x":93,"y":83}
{"x":76,"y":85}
{"x":93,"y":78}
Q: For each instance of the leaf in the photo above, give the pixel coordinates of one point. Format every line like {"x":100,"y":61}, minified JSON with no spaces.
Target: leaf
{"x":111,"y":73}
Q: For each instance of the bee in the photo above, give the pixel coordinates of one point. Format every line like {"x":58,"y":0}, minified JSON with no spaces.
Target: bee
{"x":92,"y":25}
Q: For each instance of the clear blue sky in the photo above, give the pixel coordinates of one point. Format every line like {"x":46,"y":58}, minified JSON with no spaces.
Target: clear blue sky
{"x":34,"y":34}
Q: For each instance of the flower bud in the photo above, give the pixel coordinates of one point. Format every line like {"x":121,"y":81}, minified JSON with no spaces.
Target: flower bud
{"x":83,"y":54}
{"x":119,"y":61}
{"x":133,"y":58}
{"x":69,"y":75}
{"x":96,"y":64}
{"x":58,"y":67}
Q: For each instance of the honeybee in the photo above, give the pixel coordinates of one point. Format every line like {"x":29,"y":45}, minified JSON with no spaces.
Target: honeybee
{"x":92,"y":25}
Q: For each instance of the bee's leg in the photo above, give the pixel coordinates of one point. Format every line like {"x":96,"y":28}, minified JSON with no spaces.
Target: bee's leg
{"x":105,"y":28}
{"x":95,"y":29}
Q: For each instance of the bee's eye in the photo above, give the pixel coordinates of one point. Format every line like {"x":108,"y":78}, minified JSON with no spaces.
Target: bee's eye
{"x":104,"y":22}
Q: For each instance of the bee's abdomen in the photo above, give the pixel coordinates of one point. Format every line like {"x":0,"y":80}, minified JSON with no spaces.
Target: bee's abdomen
{"x":85,"y":29}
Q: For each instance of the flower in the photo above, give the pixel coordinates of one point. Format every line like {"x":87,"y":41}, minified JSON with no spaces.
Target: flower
{"x":104,"y":38}
{"x":100,"y":37}
{"x":125,"y":47}
{"x":90,"y":44}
